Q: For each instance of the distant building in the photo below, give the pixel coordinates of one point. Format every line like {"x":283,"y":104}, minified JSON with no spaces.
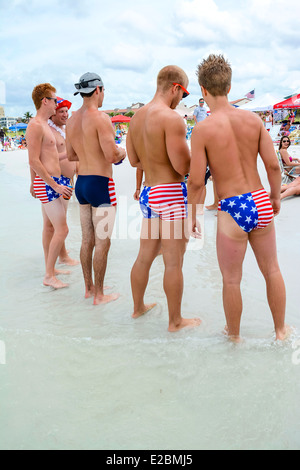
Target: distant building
{"x":7,"y":122}
{"x":2,"y":112}
{"x":132,"y":109}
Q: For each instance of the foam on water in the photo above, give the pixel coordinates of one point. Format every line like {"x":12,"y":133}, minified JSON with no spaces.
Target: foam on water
{"x":84,"y":377}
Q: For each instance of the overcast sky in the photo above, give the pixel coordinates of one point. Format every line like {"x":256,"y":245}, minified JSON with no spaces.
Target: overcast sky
{"x":127,"y":42}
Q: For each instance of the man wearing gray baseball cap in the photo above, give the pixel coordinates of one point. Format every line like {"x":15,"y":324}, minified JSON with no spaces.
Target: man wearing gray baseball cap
{"x":88,"y":83}
{"x":91,"y":141}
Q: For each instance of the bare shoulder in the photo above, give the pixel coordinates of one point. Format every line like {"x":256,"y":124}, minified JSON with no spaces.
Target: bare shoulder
{"x":248,"y":116}
{"x":172,"y":118}
{"x":35,"y":129}
{"x":204,"y":128}
{"x":34,"y":125}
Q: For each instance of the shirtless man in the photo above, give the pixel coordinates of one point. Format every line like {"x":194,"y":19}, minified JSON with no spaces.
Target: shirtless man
{"x":44,"y":161}
{"x":156,"y":143}
{"x":229,"y":141}
{"x":91,"y":141}
{"x":68,"y":169}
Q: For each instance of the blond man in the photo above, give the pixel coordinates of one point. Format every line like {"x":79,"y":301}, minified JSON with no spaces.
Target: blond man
{"x":156,"y":143}
{"x":47,"y":187}
{"x":229,"y":141}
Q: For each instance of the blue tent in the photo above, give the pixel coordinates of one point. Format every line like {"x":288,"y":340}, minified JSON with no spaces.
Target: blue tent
{"x":18,"y":127}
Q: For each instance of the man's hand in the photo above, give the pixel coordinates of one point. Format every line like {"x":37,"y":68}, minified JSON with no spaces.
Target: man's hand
{"x":276,"y":204}
{"x":136,"y":195}
{"x":32,"y":191}
{"x":65,"y":191}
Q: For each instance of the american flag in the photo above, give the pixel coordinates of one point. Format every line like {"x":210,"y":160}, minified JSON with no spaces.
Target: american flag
{"x":251,"y":95}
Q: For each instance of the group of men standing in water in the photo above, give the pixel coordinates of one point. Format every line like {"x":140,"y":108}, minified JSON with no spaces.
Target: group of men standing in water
{"x":229,"y":141}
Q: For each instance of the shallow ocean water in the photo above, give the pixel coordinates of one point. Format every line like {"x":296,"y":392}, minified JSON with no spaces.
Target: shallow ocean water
{"x":83,"y":377}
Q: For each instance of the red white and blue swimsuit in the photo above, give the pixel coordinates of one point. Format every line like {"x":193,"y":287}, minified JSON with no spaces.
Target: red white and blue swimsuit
{"x":43,"y":191}
{"x":251,"y":211}
{"x":166,"y":201}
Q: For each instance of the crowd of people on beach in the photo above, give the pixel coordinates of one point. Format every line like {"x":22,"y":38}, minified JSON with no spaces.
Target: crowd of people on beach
{"x":11,"y":143}
{"x":174,"y":181}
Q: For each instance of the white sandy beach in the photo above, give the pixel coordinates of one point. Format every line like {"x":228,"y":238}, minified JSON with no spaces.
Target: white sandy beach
{"x":83,"y":377}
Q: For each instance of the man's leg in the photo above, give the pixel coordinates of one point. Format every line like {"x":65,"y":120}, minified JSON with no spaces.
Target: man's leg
{"x":173,"y":242}
{"x":87,"y":248}
{"x":231,"y":249}
{"x":48,"y":232}
{"x":263,"y":243}
{"x":57,"y":217}
{"x":103,"y":223}
{"x":64,"y":257}
{"x":150,"y":245}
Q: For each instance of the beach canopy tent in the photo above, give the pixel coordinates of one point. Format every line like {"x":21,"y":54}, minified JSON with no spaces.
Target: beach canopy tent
{"x":119,"y":118}
{"x":291,"y":103}
{"x":261,"y":104}
{"x":18,"y":127}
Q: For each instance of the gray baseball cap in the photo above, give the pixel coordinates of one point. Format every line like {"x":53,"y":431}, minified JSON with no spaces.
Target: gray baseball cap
{"x":88,"y":83}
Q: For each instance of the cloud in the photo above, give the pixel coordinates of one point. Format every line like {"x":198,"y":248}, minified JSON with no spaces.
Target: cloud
{"x":128,"y":43}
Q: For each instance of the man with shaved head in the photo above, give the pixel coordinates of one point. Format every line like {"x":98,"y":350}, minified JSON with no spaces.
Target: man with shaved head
{"x":156,"y":143}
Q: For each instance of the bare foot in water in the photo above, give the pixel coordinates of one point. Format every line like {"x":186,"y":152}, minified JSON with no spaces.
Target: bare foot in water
{"x":69,"y":261}
{"x":105,"y":299}
{"x":233,"y":338}
{"x":57,"y":272}
{"x":91,"y":292}
{"x":143,"y":311}
{"x":185,"y":323}
{"x":54,"y":283}
{"x":282,"y":335}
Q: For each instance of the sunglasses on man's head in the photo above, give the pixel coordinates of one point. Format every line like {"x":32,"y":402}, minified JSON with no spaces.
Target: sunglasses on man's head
{"x":185,"y":92}
{"x":81,"y":85}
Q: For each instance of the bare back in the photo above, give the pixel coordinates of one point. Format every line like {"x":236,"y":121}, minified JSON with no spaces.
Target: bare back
{"x":233,"y":139}
{"x":88,"y":131}
{"x":158,"y":138}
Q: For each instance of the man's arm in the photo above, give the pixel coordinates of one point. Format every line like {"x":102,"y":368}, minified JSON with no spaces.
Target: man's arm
{"x":71,"y":154}
{"x":177,"y":147}
{"x":195,"y":117}
{"x":196,"y":181}
{"x":267,"y":153}
{"x":32,"y":178}
{"x":132,"y":155}
{"x":106,"y":135}
{"x":139,"y":180}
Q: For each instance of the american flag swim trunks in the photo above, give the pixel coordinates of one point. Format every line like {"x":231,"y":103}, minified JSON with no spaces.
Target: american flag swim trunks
{"x":43,"y":191}
{"x":251,"y":211}
{"x":166,"y":201}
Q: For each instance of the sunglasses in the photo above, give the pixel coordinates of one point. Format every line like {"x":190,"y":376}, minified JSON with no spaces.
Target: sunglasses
{"x":81,"y":85}
{"x":286,"y":142}
{"x":48,"y":98}
{"x":185,"y":92}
